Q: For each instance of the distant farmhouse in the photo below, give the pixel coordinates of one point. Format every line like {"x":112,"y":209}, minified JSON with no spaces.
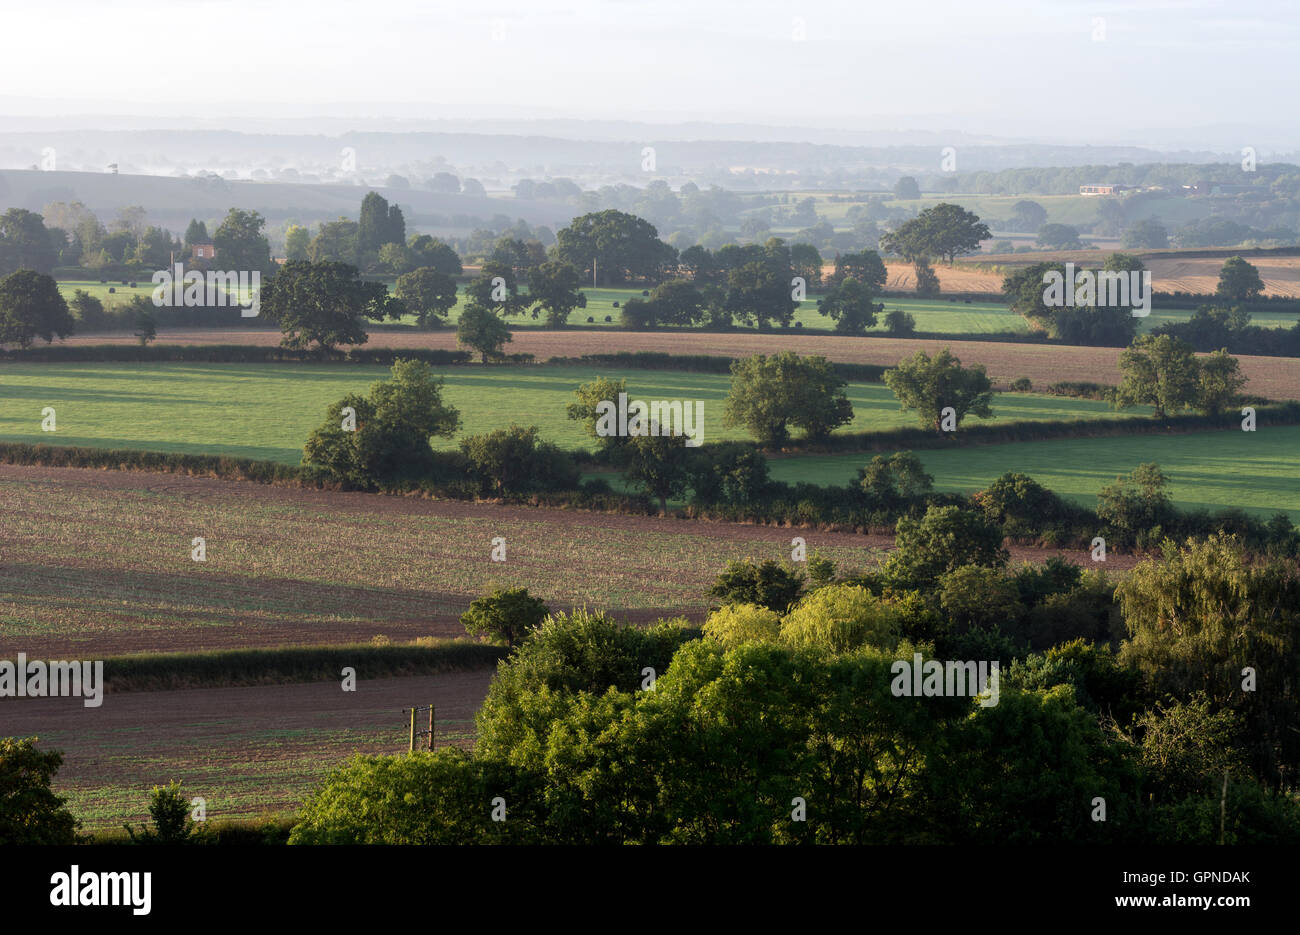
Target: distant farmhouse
{"x":1102,"y":189}
{"x":202,"y":250}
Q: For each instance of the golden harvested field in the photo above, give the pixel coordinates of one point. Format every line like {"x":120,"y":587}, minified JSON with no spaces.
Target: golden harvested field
{"x":1272,"y":377}
{"x":1281,"y":274}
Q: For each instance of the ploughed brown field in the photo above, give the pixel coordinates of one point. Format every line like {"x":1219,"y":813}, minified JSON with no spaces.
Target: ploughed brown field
{"x":98,"y":563}
{"x":1271,"y":377}
{"x":247,"y":751}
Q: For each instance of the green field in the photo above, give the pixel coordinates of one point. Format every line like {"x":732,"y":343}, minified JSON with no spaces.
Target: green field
{"x":939,"y":316}
{"x":1215,"y":470}
{"x":266,"y":411}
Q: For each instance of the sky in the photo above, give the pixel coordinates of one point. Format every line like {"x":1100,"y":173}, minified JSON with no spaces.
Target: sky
{"x":1181,"y":72}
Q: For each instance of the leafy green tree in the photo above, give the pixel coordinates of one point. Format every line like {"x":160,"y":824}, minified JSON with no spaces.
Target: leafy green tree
{"x":1204,"y":618}
{"x":770,"y":393}
{"x":30,"y":812}
{"x":32,"y":307}
{"x":513,"y":461}
{"x":324,"y":303}
{"x":590,"y":395}
{"x":1239,"y":281}
{"x":865,"y":266}
{"x":1160,"y":371}
{"x":296,"y":241}
{"x":240,"y":243}
{"x":1149,"y":234}
{"x":1218,"y":382}
{"x":25,"y":243}
{"x":394,"y":258}
{"x":944,"y":230}
{"x":507,"y":614}
{"x":849,"y":305}
{"x":900,"y":323}
{"x":441,"y":797}
{"x":429,"y":251}
{"x":944,"y":539}
{"x":658,"y":463}
{"x":733,"y":624}
{"x":337,"y":241}
{"x":1028,"y":216}
{"x":1136,"y":509}
{"x":197,"y":232}
{"x":894,"y":482}
{"x":806,"y":262}
{"x":769,"y":584}
{"x":496,"y":288}
{"x":393,"y":426}
{"x":482,"y":330}
{"x":760,"y":293}
{"x":146,"y":329}
{"x":1027,"y":770}
{"x":379,"y":223}
{"x":840,"y":618}
{"x":1059,"y":237}
{"x":930,"y":385}
{"x":431,"y":295}
{"x":906,"y":189}
{"x":553,"y":287}
{"x":677,"y":302}
{"x":611,"y":247}
{"x":927,"y":280}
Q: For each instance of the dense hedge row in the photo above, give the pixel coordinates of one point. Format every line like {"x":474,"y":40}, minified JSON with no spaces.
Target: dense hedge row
{"x":163,"y":671}
{"x":234,"y":354}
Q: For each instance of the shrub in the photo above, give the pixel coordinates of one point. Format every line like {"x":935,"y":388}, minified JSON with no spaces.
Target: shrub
{"x":841,"y":617}
{"x":741,"y":623}
{"x":768,"y":584}
{"x":505,"y":614}
{"x":1022,"y":385}
{"x":443,"y":797}
{"x":170,"y":812}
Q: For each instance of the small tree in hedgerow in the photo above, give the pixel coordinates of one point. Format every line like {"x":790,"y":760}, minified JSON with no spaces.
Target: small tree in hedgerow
{"x":429,"y":294}
{"x":170,"y":812}
{"x":931,"y":384}
{"x":483,"y":331}
{"x":1159,"y":371}
{"x":386,"y":435}
{"x":508,"y":614}
{"x":324,"y":304}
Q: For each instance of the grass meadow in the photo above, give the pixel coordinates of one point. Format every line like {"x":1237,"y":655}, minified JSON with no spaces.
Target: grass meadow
{"x":267,"y":411}
{"x":1216,"y":470}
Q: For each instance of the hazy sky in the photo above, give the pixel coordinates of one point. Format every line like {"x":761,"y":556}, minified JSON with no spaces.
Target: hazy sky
{"x":1005,"y":67}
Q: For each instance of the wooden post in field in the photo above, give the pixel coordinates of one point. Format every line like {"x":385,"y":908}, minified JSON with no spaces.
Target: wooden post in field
{"x":430,"y":726}
{"x":412,"y":750}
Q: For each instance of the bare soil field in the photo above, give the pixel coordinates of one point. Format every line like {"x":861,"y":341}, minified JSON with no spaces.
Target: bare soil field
{"x":1272,"y":377}
{"x":246,"y":751}
{"x":98,"y":562}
